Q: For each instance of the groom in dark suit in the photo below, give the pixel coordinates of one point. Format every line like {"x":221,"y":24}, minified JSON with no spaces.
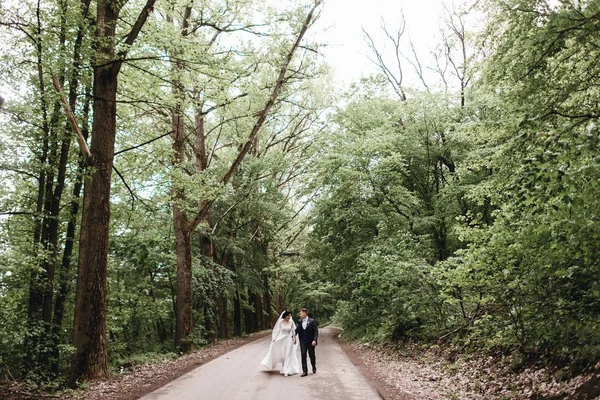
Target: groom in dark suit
{"x":308,"y":333}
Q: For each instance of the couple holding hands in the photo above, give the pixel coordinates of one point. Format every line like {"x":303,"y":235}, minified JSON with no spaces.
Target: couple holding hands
{"x":284,"y":344}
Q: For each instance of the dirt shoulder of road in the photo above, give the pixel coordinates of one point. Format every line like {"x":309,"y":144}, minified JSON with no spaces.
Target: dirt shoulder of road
{"x":404,"y":373}
{"x":144,"y":379}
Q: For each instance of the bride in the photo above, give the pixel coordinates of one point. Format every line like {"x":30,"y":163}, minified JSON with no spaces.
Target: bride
{"x":284,"y":346}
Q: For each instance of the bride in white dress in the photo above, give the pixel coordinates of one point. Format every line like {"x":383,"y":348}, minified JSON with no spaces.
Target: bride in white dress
{"x":284,"y":346}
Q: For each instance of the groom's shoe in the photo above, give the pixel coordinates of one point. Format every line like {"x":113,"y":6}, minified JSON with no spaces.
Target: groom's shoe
{"x":314,"y":370}
{"x":304,"y":374}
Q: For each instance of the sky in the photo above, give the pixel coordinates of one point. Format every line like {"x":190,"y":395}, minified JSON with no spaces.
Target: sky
{"x":341,"y":24}
{"x":342,"y":21}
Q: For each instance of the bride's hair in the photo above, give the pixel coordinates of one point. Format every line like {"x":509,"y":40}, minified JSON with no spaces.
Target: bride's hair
{"x":285,"y":314}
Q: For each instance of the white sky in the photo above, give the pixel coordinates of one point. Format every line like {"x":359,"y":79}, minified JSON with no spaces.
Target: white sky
{"x":341,"y":26}
{"x":347,"y":51}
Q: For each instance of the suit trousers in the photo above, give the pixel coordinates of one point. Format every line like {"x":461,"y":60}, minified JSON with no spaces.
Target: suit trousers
{"x":310,"y":349}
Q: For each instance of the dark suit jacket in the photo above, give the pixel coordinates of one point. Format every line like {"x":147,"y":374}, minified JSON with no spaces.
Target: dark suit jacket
{"x":310,"y":334}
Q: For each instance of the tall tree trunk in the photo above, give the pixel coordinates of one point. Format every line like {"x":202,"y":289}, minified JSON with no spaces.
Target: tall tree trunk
{"x":184,"y":327}
{"x":57,"y":165}
{"x":53,"y":198}
{"x":258,"y":311}
{"x":224,"y":320}
{"x":223,"y":305}
{"x":89,"y":360}
{"x":31,"y":342}
{"x":183,"y":243}
{"x":278,"y":297}
{"x":213,"y":316}
{"x":65,"y":272}
{"x":54,"y":194}
{"x":267,"y":315}
{"x":250,"y":316}
{"x":237,"y":314}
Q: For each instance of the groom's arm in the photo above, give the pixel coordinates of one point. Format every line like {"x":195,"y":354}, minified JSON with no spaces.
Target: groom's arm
{"x":316,"y":333}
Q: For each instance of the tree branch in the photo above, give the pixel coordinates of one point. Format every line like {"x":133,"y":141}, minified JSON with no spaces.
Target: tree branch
{"x":380,"y":63}
{"x":274,"y":94}
{"x":234,"y":205}
{"x":18,"y":171}
{"x":80,"y":138}
{"x":142,"y":144}
{"x":135,"y":30}
{"x":261,"y":116}
{"x":131,"y":192}
{"x":17,"y":213}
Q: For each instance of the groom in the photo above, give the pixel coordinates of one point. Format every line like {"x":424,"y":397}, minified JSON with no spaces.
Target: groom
{"x":308,"y":334}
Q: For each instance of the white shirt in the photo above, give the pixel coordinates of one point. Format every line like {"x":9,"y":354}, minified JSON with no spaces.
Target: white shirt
{"x":304,"y":322}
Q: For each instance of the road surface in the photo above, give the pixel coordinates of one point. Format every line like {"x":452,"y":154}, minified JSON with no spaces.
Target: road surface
{"x":238,"y":375}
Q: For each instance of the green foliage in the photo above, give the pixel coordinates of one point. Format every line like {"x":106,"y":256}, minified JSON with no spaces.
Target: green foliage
{"x":225,"y":67}
{"x":298,"y":286}
{"x":394,"y":296}
{"x":415,"y":220}
{"x":385,"y":208}
{"x":478,"y":224}
{"x":140,"y":289}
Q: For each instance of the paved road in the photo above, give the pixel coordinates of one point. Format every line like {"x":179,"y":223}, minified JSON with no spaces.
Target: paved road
{"x":238,"y":375}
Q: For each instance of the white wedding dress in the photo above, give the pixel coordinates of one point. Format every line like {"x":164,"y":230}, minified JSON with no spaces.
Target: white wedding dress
{"x":283,"y":349}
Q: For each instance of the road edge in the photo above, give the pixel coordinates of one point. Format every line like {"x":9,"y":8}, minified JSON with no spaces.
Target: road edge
{"x":381,"y":386}
{"x":145,"y":379}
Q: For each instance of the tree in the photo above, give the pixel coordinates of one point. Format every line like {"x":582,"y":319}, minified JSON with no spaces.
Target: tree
{"x":431,"y":175}
{"x":186,"y":222}
{"x":90,"y":358}
{"x":55,"y":60}
{"x":248,"y":116}
{"x":525,"y":275}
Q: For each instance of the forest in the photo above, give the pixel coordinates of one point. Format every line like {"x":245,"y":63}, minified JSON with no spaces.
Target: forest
{"x":174,"y":173}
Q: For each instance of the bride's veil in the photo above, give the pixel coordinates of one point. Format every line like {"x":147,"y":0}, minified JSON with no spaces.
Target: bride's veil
{"x":277,"y":327}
